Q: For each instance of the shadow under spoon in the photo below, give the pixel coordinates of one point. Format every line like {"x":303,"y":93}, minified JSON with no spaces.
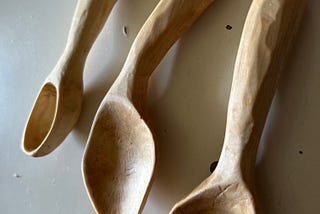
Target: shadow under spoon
{"x":266,"y":40}
{"x":120,"y":156}
{"x":58,"y":105}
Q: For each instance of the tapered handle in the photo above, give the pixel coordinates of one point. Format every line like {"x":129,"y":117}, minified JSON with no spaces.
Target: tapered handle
{"x":267,"y":37}
{"x":87,"y":22}
{"x":169,"y":20}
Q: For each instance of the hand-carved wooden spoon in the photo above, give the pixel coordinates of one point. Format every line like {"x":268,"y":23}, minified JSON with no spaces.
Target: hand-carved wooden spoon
{"x":266,"y":39}
{"x":58,"y":104}
{"x":120,"y":157}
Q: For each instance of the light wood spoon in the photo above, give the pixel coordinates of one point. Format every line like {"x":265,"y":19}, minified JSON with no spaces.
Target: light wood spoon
{"x":266,"y":39}
{"x":120,"y":156}
{"x":58,"y":105}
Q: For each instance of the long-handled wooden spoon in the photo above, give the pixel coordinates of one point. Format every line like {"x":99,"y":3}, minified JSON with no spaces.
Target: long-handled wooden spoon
{"x":58,"y":104}
{"x":267,"y":36}
{"x":120,"y":157}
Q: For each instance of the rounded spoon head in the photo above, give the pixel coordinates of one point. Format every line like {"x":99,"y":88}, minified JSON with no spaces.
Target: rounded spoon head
{"x":119,"y":159}
{"x":217,"y":195}
{"x":53,"y":115}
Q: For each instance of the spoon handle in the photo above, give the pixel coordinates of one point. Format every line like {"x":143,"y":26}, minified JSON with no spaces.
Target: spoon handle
{"x":169,"y":20}
{"x":267,"y":38}
{"x":87,"y":22}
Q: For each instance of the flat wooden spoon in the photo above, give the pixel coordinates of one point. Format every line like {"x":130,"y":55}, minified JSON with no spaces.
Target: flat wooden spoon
{"x":266,"y":39}
{"x":120,"y":156}
{"x":58,"y":105}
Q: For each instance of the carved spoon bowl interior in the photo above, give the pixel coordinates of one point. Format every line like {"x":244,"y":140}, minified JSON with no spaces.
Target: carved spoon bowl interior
{"x":128,"y":157}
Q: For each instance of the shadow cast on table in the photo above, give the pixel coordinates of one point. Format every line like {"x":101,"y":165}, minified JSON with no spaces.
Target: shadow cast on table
{"x":288,"y":161}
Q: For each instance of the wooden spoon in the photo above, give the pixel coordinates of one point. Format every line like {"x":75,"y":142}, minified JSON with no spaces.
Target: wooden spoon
{"x":266,"y":39}
{"x":58,"y":104}
{"x":120,"y":156}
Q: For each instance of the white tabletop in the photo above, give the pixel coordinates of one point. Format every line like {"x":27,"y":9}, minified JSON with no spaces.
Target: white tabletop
{"x":187,"y":101}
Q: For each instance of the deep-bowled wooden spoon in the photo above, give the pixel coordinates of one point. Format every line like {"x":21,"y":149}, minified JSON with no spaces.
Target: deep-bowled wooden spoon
{"x":58,"y":105}
{"x":120,"y":157}
{"x":266,"y":39}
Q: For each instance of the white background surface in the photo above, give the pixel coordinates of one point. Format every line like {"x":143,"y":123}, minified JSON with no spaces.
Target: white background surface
{"x":188,"y":102}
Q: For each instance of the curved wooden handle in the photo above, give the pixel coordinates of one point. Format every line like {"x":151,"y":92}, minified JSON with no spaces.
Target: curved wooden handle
{"x":87,"y":22}
{"x":169,"y":20}
{"x":266,"y":40}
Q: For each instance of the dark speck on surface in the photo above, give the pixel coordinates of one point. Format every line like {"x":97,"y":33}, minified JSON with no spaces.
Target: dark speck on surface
{"x":16,"y":175}
{"x":228,"y":27}
{"x":300,"y":152}
{"x":125,"y":30}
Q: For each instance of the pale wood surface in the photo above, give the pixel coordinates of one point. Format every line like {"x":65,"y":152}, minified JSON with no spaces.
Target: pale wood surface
{"x":58,"y":105}
{"x":121,"y":153}
{"x":190,"y":135}
{"x":267,"y":37}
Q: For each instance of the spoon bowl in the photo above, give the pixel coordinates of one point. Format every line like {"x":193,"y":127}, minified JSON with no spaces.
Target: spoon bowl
{"x":41,"y":118}
{"x":124,"y":148}
{"x":54,"y":113}
{"x":217,"y":195}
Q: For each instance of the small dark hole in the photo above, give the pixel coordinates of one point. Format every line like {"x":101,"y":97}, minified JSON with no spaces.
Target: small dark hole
{"x":125,"y":30}
{"x":300,"y":152}
{"x":213,"y":166}
{"x":228,"y":27}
